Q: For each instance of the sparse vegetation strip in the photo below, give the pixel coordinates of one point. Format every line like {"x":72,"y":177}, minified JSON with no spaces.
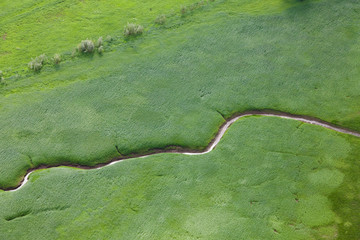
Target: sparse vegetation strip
{"x":88,"y":46}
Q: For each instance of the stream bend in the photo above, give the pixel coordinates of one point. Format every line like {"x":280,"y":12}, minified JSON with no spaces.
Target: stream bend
{"x":210,"y":147}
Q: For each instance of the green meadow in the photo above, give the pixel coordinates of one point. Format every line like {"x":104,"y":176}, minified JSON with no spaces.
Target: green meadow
{"x":174,"y":86}
{"x":268,"y":178}
{"x":29,"y":28}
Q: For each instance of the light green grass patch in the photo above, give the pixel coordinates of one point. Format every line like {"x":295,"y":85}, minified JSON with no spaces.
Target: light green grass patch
{"x":326,"y":180}
{"x":316,"y":211}
{"x":30,"y":28}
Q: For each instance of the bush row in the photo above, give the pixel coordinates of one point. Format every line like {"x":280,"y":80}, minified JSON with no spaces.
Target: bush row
{"x":85,"y":47}
{"x":37,"y":63}
{"x":88,"y":46}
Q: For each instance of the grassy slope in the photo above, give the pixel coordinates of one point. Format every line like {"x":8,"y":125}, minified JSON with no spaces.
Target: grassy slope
{"x":167,"y":87}
{"x":268,"y":178}
{"x":29,"y":28}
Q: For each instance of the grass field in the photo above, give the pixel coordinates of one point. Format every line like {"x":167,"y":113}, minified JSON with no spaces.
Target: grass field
{"x":268,"y":178}
{"x":29,"y":28}
{"x":174,"y":85}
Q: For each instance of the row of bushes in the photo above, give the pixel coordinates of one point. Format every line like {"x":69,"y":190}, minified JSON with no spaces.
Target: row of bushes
{"x":85,"y":47}
{"x":88,"y":46}
{"x":37,"y":63}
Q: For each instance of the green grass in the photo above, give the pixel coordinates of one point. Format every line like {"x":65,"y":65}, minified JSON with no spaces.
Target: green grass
{"x":268,"y":178}
{"x":29,"y":28}
{"x":168,"y":86}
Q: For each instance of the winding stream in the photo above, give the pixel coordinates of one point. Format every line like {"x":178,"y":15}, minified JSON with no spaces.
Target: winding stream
{"x":212,"y":144}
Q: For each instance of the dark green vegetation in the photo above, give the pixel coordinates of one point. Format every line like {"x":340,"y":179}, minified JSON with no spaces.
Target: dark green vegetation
{"x":168,"y":86}
{"x":196,"y":64}
{"x":268,"y":178}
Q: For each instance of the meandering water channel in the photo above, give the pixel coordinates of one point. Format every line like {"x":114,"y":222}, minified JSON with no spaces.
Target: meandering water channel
{"x":212,"y":144}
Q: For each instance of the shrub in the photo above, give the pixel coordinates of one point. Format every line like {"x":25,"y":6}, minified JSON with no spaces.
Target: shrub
{"x":86,"y":46}
{"x":99,"y":42}
{"x":160,"y":20}
{"x":2,"y":79}
{"x":100,"y":50}
{"x":37,"y":63}
{"x":74,"y":52}
{"x":34,"y":65}
{"x":133,"y":29}
{"x":42,"y":58}
{"x":183,"y":10}
{"x":57,"y":59}
{"x":108,"y":38}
